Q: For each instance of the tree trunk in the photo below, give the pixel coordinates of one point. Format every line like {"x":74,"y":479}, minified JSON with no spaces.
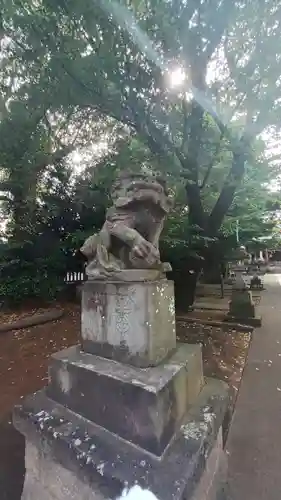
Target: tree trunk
{"x":185,"y":284}
{"x":228,"y":191}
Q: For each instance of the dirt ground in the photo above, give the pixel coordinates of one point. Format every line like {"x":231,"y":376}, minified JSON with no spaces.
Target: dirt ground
{"x":224,"y":350}
{"x":206,"y":315}
{"x":23,"y":369}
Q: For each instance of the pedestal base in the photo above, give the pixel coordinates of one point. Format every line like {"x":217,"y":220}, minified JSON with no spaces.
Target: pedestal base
{"x":131,"y":322}
{"x":144,"y":406}
{"x":242,"y":309}
{"x":241,"y":304}
{"x":68,"y":457}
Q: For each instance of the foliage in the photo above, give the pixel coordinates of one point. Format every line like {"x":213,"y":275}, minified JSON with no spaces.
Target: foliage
{"x":119,"y":66}
{"x":67,"y":213}
{"x":70,"y":207}
{"x":74,"y":71}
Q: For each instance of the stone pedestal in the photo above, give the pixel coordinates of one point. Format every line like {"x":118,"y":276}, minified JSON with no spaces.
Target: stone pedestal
{"x":132,"y":322}
{"x":256,"y":283}
{"x":242,"y":308}
{"x":105,"y":426}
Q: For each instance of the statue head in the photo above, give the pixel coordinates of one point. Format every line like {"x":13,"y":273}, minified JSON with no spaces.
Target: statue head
{"x":137,"y":188}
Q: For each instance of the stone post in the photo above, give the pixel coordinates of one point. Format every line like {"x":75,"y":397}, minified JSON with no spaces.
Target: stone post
{"x":241,"y":306}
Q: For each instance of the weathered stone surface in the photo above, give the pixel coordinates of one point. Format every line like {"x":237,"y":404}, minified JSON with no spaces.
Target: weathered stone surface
{"x":130,"y":322}
{"x":239,"y":283}
{"x":144,"y":406}
{"x":241,"y":304}
{"x":242,"y":308}
{"x":46,"y":479}
{"x":129,"y":238}
{"x":214,"y":475}
{"x":73,"y":450}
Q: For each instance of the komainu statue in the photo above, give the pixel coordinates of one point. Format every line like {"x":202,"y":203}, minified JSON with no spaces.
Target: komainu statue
{"x":129,"y":238}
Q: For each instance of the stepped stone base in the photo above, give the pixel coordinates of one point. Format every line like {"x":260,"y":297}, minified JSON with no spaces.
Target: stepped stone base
{"x":143,"y":406}
{"x":68,"y":457}
{"x":142,"y":416}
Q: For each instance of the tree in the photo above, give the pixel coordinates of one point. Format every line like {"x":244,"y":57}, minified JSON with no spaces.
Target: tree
{"x":118,"y":60}
{"x":69,"y":210}
{"x":33,"y":144}
{"x":71,"y":206}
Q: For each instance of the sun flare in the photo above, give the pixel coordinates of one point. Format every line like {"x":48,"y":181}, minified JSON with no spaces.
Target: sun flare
{"x":176,"y":77}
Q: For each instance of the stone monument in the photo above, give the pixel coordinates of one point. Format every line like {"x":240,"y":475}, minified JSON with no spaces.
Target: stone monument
{"x":241,"y":306}
{"x":256,"y":283}
{"x":128,"y":408}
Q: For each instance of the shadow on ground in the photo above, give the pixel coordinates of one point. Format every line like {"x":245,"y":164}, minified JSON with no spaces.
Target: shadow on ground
{"x":11,"y":461}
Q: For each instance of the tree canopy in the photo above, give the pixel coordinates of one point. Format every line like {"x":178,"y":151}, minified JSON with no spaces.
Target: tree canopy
{"x":187,"y":88}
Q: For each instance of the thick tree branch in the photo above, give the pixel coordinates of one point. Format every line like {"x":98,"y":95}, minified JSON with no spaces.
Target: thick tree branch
{"x":212,"y":162}
{"x":194,"y":140}
{"x":196,"y":213}
{"x":233,"y":180}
